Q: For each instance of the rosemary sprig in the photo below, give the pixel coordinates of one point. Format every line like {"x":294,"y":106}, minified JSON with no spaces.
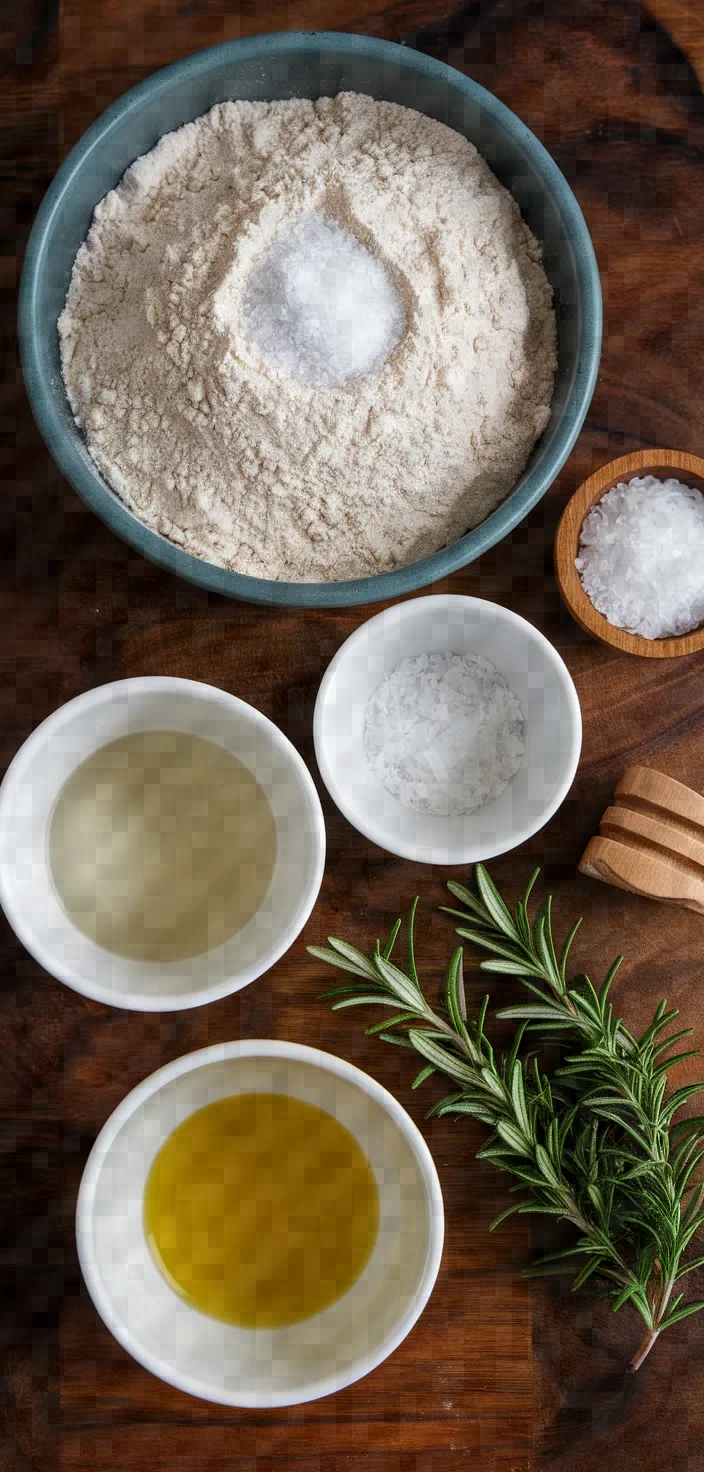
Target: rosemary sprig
{"x":596,"y":1142}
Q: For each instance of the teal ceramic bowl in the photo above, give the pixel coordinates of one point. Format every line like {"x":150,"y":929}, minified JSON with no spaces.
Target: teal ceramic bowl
{"x":310,"y":64}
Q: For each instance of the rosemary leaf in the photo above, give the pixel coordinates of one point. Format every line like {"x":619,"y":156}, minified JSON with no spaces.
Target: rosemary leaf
{"x":595,"y":1142}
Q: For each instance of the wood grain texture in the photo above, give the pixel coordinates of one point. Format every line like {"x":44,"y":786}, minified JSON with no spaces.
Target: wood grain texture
{"x":684,"y":19}
{"x":660,"y":463}
{"x":498,"y":1374}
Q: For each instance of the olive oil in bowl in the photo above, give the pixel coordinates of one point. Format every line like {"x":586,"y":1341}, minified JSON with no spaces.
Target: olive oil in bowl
{"x":162,"y":845}
{"x":261,"y":1210}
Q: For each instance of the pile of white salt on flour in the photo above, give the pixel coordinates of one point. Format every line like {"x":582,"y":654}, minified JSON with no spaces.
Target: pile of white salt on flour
{"x":310,"y":340}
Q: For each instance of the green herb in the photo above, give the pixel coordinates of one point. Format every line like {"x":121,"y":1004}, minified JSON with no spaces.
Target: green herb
{"x":595,"y":1142}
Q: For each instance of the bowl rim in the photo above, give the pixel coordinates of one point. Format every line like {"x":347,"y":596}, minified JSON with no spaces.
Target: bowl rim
{"x":578,"y":602}
{"x":76,"y":465}
{"x":473,"y":853}
{"x":198,"y":691}
{"x":258,"y":1048}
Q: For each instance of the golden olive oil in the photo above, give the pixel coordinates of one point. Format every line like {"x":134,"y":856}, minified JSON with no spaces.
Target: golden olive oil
{"x":261,"y":1210}
{"x":161,"y":845}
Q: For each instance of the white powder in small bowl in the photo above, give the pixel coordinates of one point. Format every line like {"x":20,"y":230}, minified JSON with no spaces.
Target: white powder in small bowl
{"x":444,"y":733}
{"x":641,"y":557}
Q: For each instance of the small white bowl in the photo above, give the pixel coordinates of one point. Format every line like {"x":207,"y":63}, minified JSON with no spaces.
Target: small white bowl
{"x":533,"y":670}
{"x":34,"y":780}
{"x":256,"y":1367}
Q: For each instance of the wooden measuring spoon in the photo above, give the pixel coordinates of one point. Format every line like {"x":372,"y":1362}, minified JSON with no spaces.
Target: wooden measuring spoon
{"x":651,"y":840}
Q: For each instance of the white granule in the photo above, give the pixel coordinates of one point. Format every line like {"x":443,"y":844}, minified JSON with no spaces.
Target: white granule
{"x":321,"y":306}
{"x":641,"y":557}
{"x":214,"y":442}
{"x":444,"y":733}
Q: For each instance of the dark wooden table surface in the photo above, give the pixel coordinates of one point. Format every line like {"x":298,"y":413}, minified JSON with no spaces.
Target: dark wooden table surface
{"x":498,"y":1375}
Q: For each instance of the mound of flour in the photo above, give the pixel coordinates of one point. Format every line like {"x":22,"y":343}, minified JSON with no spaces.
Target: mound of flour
{"x":215,"y":443}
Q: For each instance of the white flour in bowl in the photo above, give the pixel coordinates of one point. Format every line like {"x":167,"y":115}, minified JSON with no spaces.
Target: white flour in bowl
{"x":243,"y":454}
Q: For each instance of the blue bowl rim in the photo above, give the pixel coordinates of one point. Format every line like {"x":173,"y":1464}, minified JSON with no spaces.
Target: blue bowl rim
{"x":168,"y":555}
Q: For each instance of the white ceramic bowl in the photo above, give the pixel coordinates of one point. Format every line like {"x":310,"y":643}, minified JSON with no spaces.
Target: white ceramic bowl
{"x":534,"y":671}
{"x":255,"y":1367}
{"x":34,"y":780}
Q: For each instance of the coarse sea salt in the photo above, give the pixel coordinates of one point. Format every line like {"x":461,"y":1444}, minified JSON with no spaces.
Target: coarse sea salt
{"x":321,"y":306}
{"x":641,"y":557}
{"x":444,"y":733}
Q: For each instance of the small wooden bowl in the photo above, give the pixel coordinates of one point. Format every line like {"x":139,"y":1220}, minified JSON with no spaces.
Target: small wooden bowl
{"x":660,"y":463}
